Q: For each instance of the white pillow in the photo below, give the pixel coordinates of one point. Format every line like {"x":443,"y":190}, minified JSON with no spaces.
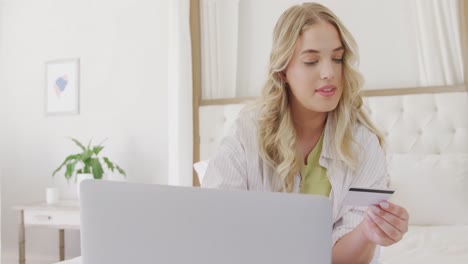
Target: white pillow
{"x":433,"y":188}
{"x":200,"y":167}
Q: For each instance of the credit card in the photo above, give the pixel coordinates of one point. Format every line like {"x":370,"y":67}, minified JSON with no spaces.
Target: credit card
{"x":366,"y":196}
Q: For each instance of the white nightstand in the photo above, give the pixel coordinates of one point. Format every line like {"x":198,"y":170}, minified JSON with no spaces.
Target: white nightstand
{"x":61,"y":216}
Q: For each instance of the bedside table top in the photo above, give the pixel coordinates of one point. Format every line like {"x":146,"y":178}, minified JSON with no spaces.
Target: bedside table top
{"x":65,"y":205}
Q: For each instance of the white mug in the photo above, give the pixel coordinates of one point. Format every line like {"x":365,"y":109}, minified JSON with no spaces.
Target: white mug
{"x":52,"y":195}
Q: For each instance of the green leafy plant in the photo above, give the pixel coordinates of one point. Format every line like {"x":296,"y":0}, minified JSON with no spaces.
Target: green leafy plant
{"x":87,"y":161}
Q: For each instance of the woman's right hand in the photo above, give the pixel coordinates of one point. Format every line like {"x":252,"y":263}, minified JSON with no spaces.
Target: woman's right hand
{"x":385,"y":224}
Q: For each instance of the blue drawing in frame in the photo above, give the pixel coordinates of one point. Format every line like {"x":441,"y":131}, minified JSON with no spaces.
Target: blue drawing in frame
{"x":62,"y":87}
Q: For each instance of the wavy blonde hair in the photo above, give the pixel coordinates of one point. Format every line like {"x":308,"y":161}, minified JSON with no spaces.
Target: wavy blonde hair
{"x":276,"y":133}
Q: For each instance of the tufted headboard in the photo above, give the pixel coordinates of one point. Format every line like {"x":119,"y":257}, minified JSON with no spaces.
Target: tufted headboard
{"x":432,"y":123}
{"x":215,"y":122}
{"x":422,"y":123}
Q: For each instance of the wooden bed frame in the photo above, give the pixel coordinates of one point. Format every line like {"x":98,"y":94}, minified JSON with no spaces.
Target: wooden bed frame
{"x":199,"y":102}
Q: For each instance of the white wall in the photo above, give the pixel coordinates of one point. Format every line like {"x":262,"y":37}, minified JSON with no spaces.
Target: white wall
{"x":2,"y":114}
{"x":123,"y":50}
{"x":384,"y":30}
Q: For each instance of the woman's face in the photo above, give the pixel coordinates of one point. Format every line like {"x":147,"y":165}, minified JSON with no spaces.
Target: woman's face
{"x":315,"y":72}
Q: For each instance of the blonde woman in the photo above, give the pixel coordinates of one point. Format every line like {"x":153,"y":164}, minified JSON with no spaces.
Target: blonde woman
{"x":309,"y":133}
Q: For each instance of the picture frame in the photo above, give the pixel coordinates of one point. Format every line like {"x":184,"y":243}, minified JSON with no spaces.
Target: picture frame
{"x":62,"y":88}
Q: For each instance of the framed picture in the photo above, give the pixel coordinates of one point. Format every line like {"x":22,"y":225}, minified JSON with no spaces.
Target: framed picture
{"x":62,"y":87}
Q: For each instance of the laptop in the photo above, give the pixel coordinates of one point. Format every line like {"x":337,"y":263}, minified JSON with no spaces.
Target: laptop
{"x":126,"y":223}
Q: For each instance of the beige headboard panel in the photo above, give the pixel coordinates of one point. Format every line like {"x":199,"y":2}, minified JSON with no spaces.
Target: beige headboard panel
{"x":422,"y":123}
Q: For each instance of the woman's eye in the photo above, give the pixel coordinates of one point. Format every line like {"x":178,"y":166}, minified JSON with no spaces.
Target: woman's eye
{"x":310,"y":62}
{"x":340,"y":60}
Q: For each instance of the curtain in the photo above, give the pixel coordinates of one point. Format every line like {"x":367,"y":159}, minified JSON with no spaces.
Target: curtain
{"x":180,"y":125}
{"x":439,"y":44}
{"x":219,"y":41}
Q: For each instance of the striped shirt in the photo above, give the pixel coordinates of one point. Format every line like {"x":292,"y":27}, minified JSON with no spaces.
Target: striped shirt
{"x":238,"y":165}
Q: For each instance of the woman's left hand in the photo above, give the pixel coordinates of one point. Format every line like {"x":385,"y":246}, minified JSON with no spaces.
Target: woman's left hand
{"x":386,"y":223}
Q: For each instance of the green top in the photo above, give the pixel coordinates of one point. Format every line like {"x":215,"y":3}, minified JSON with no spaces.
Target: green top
{"x":314,"y":176}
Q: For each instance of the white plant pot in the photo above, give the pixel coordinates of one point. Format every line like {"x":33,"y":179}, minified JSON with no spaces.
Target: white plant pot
{"x":80,"y":177}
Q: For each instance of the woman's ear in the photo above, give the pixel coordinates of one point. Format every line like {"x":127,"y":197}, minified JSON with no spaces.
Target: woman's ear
{"x":283,"y":76}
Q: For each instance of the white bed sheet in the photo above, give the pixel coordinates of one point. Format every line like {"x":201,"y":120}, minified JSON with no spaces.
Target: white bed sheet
{"x":421,"y":245}
{"x":428,"y":245}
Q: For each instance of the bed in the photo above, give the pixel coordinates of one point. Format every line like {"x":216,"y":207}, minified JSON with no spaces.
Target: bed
{"x":427,"y":156}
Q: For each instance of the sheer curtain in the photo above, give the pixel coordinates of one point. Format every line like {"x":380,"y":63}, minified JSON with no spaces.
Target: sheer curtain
{"x":180,"y":126}
{"x":219,"y":25}
{"x":438,"y":32}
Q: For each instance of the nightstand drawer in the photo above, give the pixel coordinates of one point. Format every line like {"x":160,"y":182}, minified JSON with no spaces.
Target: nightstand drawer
{"x":52,"y":218}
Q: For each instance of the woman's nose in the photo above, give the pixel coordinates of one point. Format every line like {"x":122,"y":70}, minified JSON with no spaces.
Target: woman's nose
{"x":326,"y":71}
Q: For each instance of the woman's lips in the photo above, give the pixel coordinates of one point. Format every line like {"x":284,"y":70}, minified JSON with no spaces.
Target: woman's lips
{"x":327,"y":90}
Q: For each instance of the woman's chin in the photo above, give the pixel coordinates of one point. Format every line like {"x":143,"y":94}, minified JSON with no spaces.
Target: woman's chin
{"x":322,"y":108}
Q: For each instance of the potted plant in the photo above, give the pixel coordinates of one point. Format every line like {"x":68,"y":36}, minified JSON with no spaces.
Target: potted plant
{"x":87,"y":164}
